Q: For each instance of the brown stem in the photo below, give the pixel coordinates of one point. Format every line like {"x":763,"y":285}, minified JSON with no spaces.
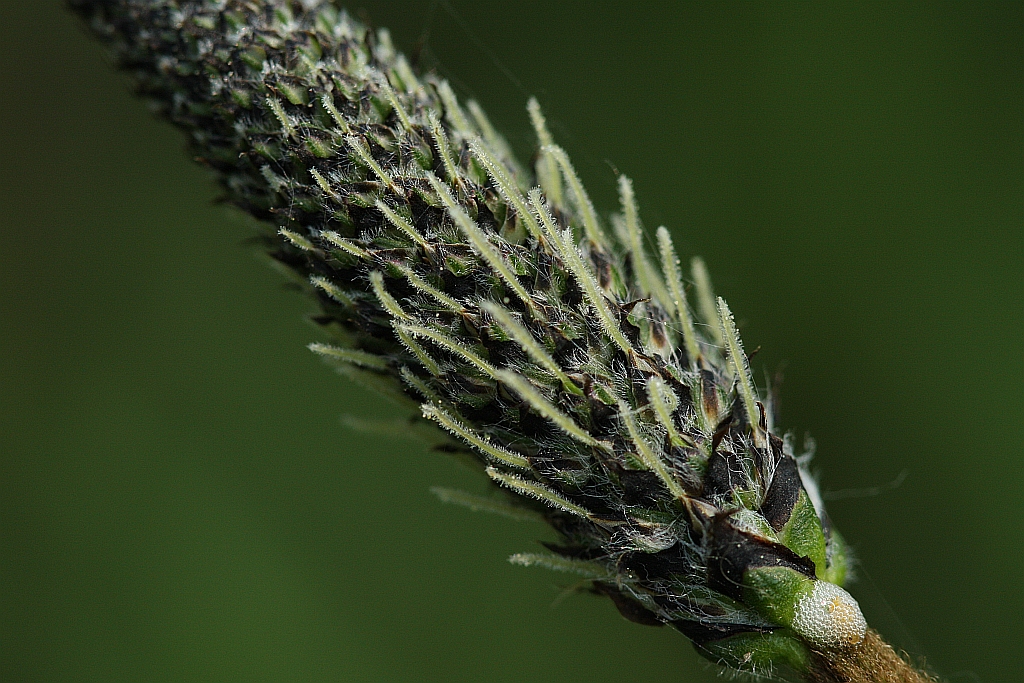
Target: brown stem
{"x":873,"y":661}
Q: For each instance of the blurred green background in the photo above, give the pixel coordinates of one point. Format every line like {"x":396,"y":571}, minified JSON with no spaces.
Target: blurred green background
{"x":179,"y":501}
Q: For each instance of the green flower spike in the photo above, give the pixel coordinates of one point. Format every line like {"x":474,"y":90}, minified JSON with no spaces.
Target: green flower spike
{"x":570,"y":366}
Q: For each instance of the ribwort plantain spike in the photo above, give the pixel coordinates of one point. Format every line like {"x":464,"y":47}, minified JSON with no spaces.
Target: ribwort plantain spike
{"x":510,"y":317}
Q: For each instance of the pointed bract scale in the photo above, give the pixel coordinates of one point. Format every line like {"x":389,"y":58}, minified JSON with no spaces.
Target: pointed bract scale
{"x":459,"y":429}
{"x":452,"y":346}
{"x":431,"y":291}
{"x":647,"y":454}
{"x":345,"y":245}
{"x":741,"y":369}
{"x":405,"y":73}
{"x":590,"y":570}
{"x":396,"y":105}
{"x":358,"y":145}
{"x":331,"y":289}
{"x":453,"y":112}
{"x":327,"y":99}
{"x":495,"y":141}
{"x":547,"y":167}
{"x":421,"y":355}
{"x":580,"y":270}
{"x":532,"y":489}
{"x":360,"y":358}
{"x":533,"y":397}
{"x":402,"y":223}
{"x":706,"y":300}
{"x":278,"y":109}
{"x":505,"y":185}
{"x":387,"y":302}
{"x":591,"y":225}
{"x":481,"y":244}
{"x":532,"y":347}
{"x":481,"y":504}
{"x":443,"y":148}
{"x":664,"y":401}
{"x":677,"y":295}
{"x":297,"y":240}
{"x":648,"y":278}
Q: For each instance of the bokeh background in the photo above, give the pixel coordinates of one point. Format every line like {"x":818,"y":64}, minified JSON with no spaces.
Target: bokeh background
{"x":180,"y":502}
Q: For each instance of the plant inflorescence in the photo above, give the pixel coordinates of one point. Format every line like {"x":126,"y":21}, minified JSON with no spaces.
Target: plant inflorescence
{"x":539,"y":335}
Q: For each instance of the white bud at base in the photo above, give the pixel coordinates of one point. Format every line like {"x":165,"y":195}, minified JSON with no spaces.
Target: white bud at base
{"x":829,"y":617}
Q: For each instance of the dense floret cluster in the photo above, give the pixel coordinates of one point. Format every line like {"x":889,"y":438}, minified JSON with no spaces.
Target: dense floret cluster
{"x":540,"y":336}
